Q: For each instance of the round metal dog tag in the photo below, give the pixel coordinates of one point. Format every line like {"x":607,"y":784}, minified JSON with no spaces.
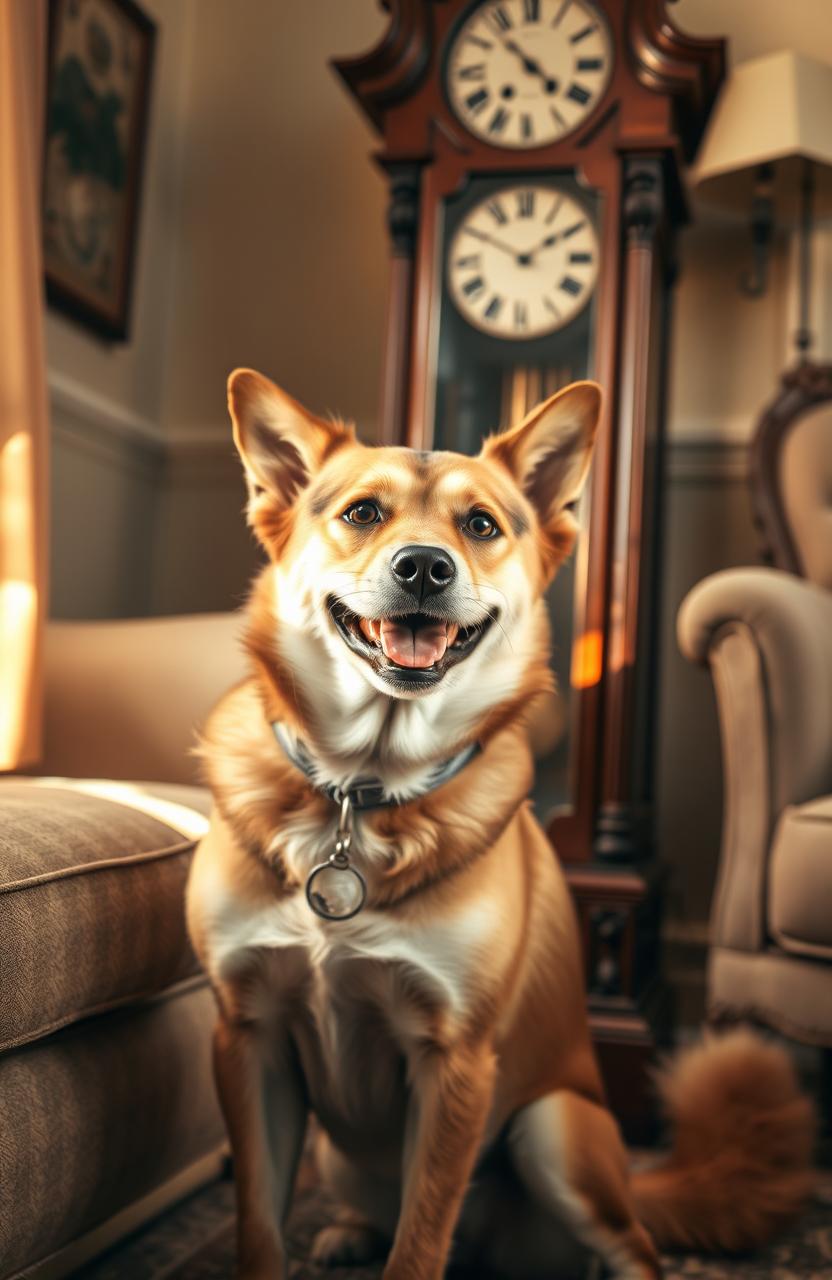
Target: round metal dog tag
{"x":335,"y":890}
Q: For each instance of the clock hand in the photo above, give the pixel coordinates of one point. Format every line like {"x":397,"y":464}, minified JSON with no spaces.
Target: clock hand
{"x":498,"y":244}
{"x":545,"y":244}
{"x":529,"y":65}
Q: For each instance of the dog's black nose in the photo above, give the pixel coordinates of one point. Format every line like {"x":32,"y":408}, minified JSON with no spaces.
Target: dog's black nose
{"x":422,"y":571}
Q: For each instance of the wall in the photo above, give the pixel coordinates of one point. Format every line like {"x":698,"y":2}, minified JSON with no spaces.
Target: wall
{"x":282,"y":263}
{"x":106,"y":397}
{"x":261,"y":242}
{"x":728,"y":349}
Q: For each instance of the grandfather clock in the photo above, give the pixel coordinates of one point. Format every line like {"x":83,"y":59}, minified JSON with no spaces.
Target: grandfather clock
{"x":534,"y":150}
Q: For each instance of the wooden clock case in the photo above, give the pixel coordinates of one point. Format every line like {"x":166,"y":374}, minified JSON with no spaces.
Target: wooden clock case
{"x":631,"y":150}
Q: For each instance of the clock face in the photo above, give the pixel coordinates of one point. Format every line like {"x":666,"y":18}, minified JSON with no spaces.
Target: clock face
{"x":523,"y":73}
{"x":523,"y":262}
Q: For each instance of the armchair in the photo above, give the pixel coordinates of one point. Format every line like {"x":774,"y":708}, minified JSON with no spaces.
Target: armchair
{"x":766,"y":634}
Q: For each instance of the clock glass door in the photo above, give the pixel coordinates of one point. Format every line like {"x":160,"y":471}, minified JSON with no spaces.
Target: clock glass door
{"x":520,"y":260}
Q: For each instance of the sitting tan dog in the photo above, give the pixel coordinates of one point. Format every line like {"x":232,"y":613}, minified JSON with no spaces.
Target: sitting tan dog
{"x":389,"y":936}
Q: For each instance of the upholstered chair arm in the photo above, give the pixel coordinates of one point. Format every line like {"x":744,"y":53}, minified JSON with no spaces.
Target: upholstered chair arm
{"x":122,"y":699}
{"x":767,"y":637}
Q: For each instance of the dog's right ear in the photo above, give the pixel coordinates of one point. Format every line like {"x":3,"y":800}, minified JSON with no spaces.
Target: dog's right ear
{"x":281,"y":444}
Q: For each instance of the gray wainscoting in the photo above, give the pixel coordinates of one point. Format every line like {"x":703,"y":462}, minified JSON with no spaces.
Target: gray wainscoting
{"x":106,"y":473}
{"x":141,"y":524}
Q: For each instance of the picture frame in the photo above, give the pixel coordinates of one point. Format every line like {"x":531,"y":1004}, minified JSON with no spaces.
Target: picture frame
{"x":100,"y":66}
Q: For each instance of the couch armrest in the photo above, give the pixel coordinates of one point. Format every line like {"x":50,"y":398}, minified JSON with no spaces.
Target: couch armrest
{"x":767,"y":636}
{"x":123,"y":698}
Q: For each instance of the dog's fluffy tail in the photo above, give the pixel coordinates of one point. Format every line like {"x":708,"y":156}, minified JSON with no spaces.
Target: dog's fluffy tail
{"x":741,"y":1162}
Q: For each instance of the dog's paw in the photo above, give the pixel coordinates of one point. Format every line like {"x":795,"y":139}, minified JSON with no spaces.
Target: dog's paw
{"x":347,"y":1244}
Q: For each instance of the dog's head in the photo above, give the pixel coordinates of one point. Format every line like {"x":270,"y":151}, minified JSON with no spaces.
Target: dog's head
{"x":416,"y":570}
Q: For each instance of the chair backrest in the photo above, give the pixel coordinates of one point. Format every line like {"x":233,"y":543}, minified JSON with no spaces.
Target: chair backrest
{"x":791,"y":474}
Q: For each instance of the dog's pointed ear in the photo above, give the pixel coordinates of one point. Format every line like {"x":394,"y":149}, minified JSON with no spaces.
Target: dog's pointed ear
{"x":281,"y":444}
{"x":549,"y":453}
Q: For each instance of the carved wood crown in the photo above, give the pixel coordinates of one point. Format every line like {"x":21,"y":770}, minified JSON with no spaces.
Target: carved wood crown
{"x":685,"y":69}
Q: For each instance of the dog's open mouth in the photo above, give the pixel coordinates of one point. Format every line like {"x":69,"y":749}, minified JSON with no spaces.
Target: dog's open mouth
{"x":415,"y":648}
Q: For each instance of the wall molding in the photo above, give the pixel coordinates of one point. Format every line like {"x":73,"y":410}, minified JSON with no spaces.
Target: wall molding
{"x":205,"y":455}
{"x":195,"y":439}
{"x":71,"y":398}
{"x":105,"y":430}
{"x":707,"y":461}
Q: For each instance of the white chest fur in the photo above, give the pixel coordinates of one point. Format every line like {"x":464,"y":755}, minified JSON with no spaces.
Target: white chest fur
{"x":373,"y":989}
{"x":441,"y":956}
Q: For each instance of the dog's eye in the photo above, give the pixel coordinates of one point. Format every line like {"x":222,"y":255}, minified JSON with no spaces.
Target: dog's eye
{"x":362,"y":513}
{"x":481,"y":525}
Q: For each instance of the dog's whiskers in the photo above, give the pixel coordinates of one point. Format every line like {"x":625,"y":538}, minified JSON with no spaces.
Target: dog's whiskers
{"x":493,"y":615}
{"x":487,"y":586}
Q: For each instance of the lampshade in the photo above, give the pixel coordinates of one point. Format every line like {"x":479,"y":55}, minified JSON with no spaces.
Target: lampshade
{"x":775,"y":109}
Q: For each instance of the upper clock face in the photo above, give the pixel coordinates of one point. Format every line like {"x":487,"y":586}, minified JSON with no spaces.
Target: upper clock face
{"x":523,"y":262}
{"x":523,"y":73}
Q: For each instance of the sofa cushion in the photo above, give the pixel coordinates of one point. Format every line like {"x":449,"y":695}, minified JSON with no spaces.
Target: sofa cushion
{"x":800,"y":879}
{"x":98,"y":1116}
{"x":92,"y":882}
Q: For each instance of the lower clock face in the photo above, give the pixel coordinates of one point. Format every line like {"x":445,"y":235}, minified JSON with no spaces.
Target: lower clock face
{"x":523,"y":262}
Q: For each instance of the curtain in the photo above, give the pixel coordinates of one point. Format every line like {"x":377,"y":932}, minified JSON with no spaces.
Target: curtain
{"x":23,"y":397}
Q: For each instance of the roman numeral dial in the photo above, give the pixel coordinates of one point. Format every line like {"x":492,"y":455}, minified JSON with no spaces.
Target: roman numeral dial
{"x":523,"y":262}
{"x":522,"y":73}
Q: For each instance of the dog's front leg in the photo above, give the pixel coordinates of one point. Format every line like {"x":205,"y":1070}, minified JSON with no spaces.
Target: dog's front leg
{"x":265,"y":1112}
{"x":452,"y":1094}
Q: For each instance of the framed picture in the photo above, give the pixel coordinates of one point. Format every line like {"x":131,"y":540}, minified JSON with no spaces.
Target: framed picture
{"x":100,"y":63}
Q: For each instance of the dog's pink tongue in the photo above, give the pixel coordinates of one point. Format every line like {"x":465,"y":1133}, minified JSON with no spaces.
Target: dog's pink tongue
{"x":413,"y":649}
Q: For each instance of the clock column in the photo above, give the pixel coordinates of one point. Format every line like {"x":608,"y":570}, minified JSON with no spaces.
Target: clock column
{"x":402,"y":224}
{"x":619,"y":894}
{"x":623,"y":831}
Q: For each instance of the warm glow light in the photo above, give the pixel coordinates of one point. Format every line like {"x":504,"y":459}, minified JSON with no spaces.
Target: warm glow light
{"x":24,"y":426}
{"x":587,"y":659}
{"x":18,"y":596}
{"x":18,"y":616}
{"x":190,"y":822}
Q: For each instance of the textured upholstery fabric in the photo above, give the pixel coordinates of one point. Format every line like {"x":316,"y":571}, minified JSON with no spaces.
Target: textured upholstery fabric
{"x":98,"y":1115}
{"x":123,"y":698}
{"x":806,"y":488}
{"x":91,"y":904}
{"x":738,"y":918}
{"x":787,"y":992}
{"x":791,"y":622}
{"x":800,"y":880}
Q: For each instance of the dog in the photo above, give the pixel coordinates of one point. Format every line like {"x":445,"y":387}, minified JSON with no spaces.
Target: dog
{"x":387,"y":931}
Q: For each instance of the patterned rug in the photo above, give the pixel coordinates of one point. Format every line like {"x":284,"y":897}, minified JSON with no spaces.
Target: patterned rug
{"x":196,"y":1242}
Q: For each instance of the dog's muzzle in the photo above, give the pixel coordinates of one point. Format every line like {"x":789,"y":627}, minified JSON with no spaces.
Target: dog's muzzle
{"x":409,"y":649}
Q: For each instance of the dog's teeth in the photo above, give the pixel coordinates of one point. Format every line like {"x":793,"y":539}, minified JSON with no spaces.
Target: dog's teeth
{"x":453,"y":632}
{"x":369,"y":629}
